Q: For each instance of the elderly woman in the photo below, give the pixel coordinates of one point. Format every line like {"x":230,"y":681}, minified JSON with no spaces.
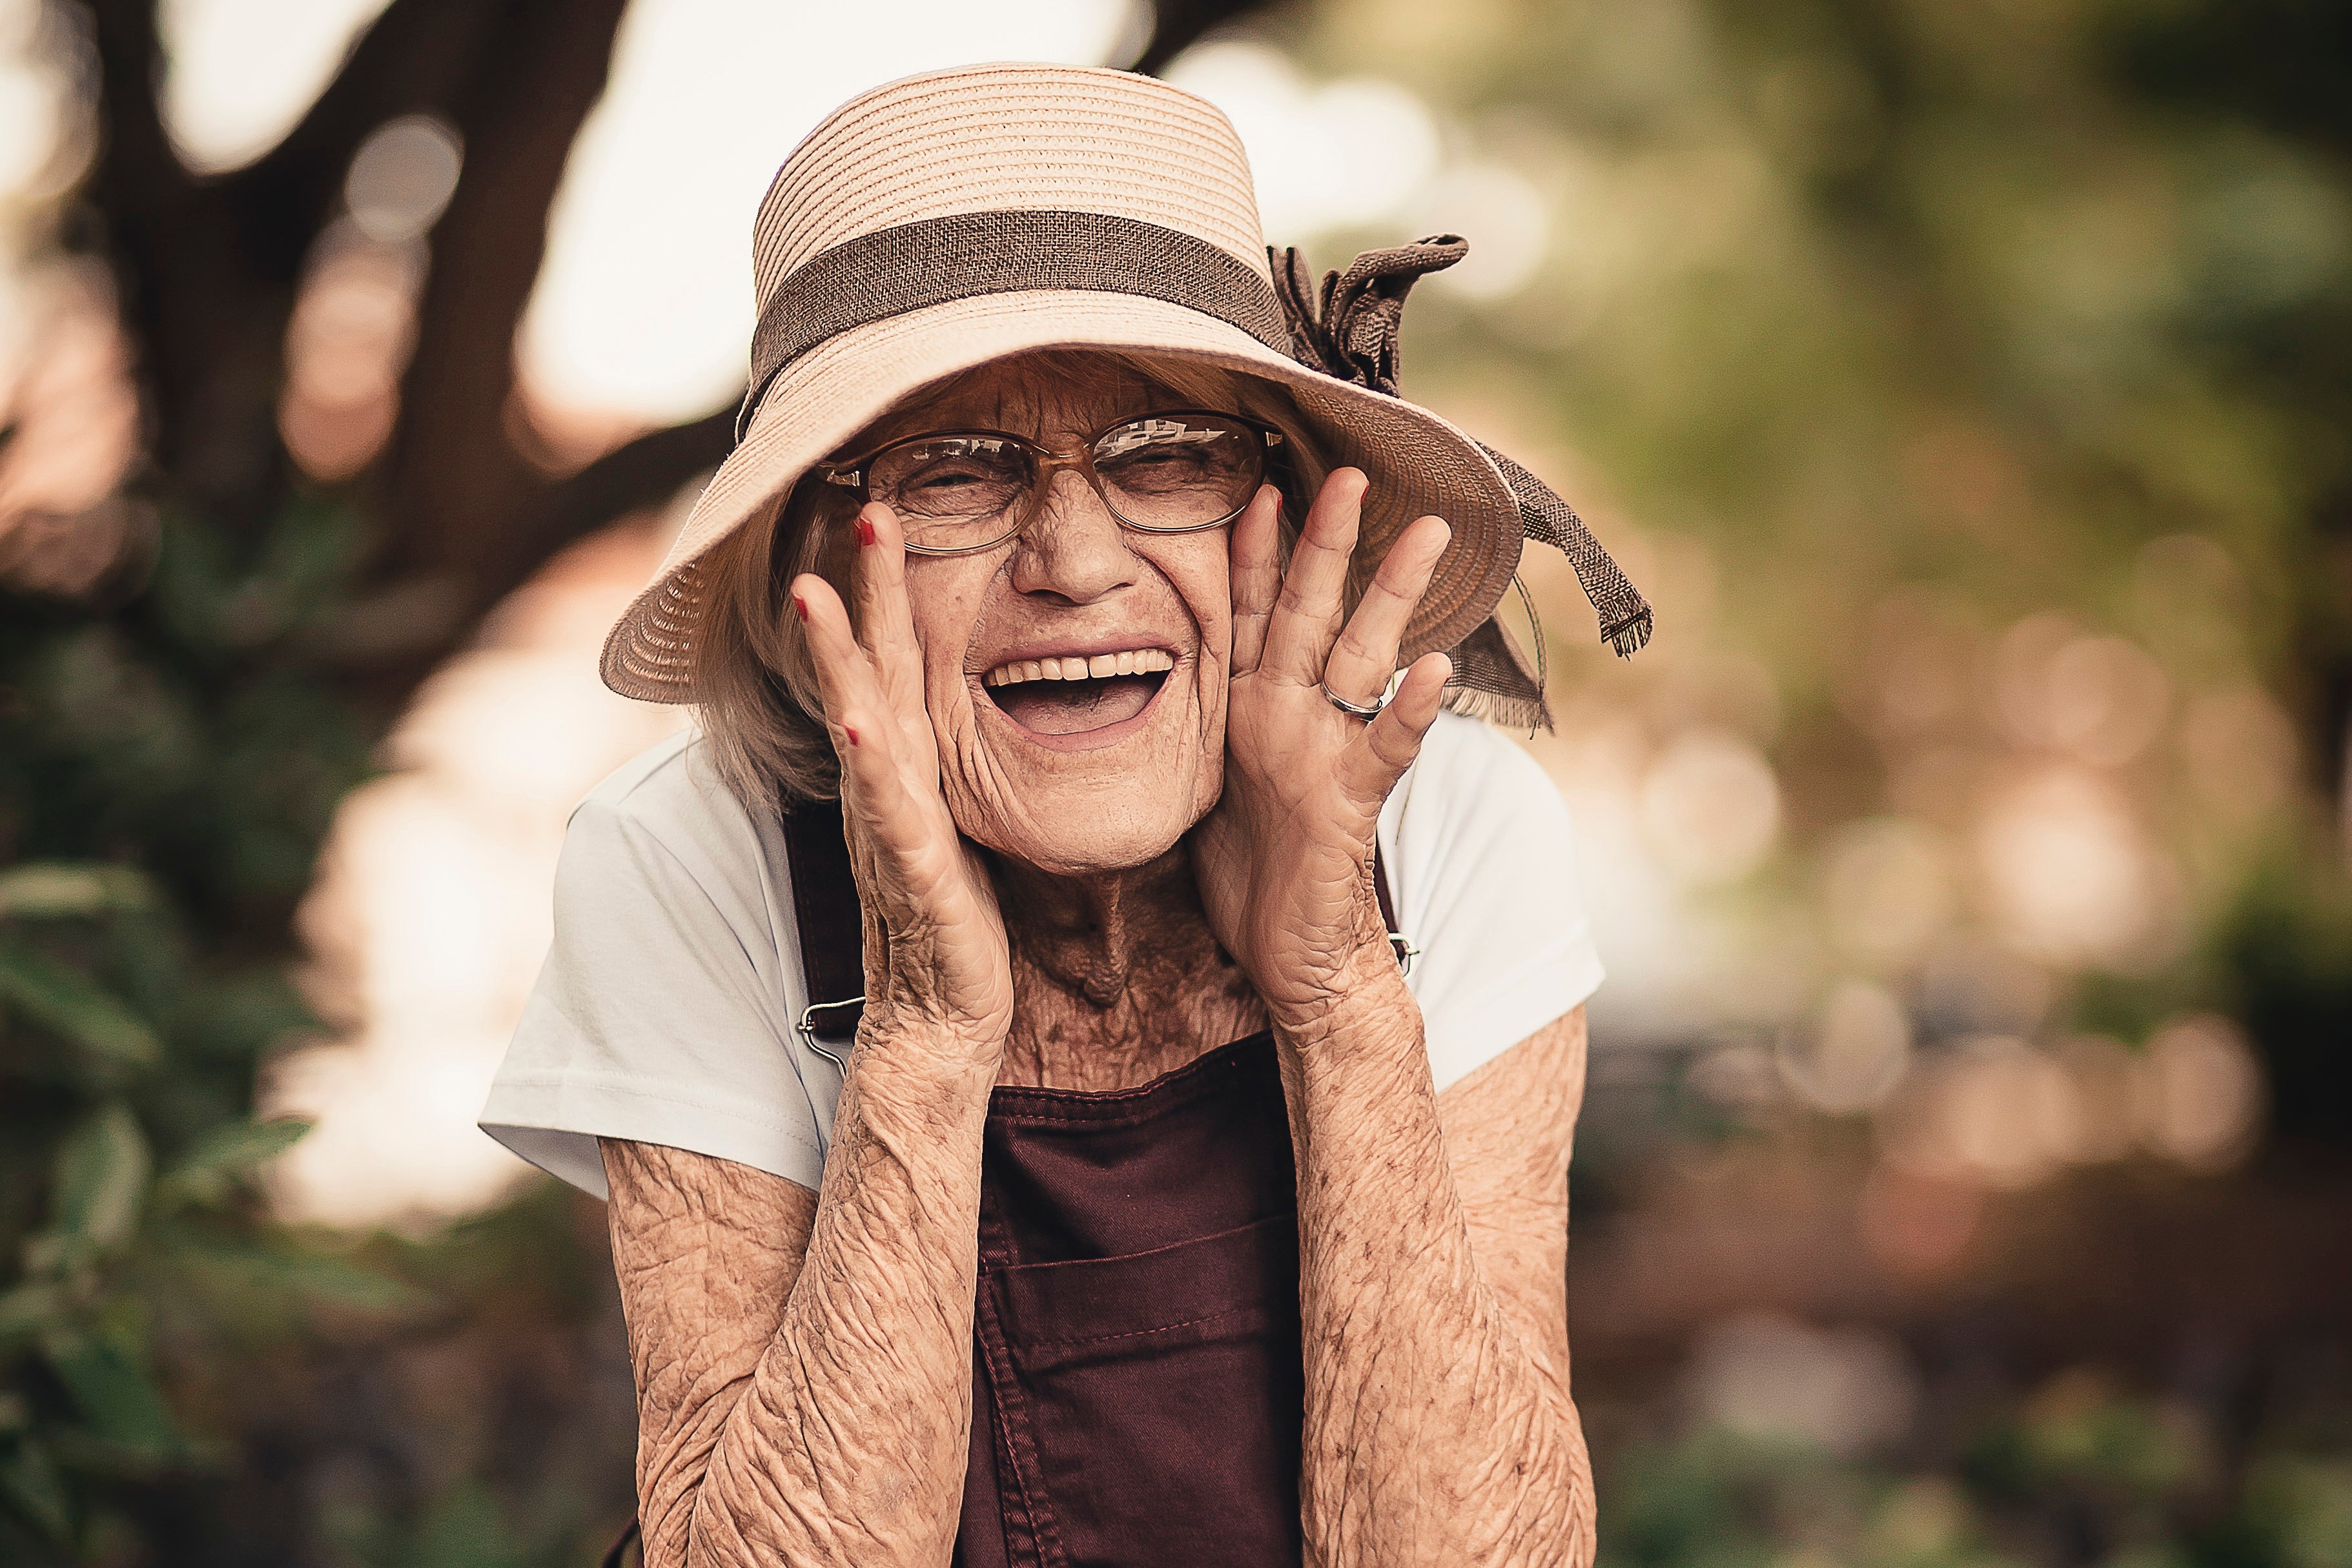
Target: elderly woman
{"x":1083,"y":1053}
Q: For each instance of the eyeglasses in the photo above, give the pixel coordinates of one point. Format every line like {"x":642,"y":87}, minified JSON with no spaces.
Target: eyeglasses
{"x":964,"y":490}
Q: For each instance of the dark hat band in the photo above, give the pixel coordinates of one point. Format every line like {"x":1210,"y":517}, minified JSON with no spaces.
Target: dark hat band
{"x":932,"y":261}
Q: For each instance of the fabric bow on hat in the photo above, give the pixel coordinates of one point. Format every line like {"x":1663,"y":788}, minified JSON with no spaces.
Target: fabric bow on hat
{"x":1350,"y":328}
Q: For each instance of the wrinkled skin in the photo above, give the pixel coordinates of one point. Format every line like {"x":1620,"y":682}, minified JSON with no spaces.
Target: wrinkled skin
{"x":1054,"y":901}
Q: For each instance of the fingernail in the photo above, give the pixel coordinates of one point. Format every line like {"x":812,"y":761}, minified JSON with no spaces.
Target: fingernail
{"x":864,"y":530}
{"x":850,"y":732}
{"x":801,"y":605}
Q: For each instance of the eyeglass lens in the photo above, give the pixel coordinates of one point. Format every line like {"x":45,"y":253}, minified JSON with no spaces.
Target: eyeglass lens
{"x":1161,"y":473}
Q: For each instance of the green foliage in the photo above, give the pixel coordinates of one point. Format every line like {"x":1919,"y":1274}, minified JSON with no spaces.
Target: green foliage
{"x":2078,"y":1453}
{"x":166,"y":771}
{"x":2076,"y":1474}
{"x":2297,"y":1513}
{"x":2285,"y":952}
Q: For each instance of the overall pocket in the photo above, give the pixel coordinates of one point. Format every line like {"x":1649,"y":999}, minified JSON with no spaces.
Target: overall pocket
{"x":1158,"y":1399}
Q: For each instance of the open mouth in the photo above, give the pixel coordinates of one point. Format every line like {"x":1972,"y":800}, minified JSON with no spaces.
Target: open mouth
{"x":1073,"y":695}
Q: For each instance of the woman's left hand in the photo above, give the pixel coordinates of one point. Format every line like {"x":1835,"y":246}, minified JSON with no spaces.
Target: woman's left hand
{"x":1284,"y":859}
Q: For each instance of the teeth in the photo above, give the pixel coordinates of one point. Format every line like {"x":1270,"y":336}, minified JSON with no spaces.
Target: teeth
{"x":1130,"y":662}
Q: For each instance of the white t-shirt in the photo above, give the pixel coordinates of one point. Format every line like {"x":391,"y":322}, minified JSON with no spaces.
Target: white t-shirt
{"x":664,"y":1013}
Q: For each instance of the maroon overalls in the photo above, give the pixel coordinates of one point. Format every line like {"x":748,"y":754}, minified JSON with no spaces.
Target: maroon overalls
{"x":1138,"y":1387}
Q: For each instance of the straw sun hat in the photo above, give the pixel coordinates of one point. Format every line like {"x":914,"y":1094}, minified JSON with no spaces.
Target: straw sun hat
{"x":940,"y":221}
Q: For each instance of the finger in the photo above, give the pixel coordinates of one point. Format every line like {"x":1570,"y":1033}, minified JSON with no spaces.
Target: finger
{"x":1371,"y":766}
{"x":1366,"y":653}
{"x":844,"y":672}
{"x":872,"y":793}
{"x":883,"y":819}
{"x":885,"y":621}
{"x":1298,"y":634}
{"x":873,"y":789}
{"x":1257,"y":575}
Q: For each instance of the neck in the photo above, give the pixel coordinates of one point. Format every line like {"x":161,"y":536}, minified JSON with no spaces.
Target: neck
{"x":1116,"y":975}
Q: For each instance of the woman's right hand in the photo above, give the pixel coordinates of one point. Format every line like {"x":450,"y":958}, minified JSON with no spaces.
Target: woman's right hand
{"x":936,"y":956}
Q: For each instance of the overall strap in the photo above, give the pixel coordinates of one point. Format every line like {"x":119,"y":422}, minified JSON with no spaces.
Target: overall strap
{"x":833,"y":927}
{"x":1406,"y":950}
{"x":832,"y":924}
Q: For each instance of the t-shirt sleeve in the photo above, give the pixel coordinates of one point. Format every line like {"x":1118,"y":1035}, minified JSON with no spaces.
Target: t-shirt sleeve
{"x":1482,"y":867}
{"x":659,"y":1016}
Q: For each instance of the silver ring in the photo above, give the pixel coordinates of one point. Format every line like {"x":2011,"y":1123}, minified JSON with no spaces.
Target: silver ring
{"x":1356,"y":710}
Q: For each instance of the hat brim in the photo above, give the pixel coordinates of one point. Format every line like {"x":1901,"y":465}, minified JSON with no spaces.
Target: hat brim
{"x":1418,"y":463}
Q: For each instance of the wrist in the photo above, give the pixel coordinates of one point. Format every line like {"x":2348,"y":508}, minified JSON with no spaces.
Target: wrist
{"x":1360,"y":1004}
{"x":938,"y":1045}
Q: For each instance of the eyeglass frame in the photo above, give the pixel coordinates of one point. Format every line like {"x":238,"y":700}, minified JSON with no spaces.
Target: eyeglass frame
{"x":850,"y":472}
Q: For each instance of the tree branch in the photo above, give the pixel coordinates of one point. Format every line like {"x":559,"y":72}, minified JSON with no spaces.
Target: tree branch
{"x":452,"y":480}
{"x":1178,"y":25}
{"x":169,"y":266}
{"x":412,"y":59}
{"x":638,"y":474}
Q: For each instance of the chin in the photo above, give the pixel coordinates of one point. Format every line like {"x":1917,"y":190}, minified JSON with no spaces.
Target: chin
{"x":1101,"y":855}
{"x":1110,"y":822}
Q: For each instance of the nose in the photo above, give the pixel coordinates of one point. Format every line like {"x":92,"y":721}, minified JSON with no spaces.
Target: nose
{"x":1074,"y":552}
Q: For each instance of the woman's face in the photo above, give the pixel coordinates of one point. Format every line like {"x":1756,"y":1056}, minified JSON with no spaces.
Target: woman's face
{"x":1073,"y":775}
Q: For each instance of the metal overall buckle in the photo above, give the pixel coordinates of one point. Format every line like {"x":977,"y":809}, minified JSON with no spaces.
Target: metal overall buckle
{"x":808,"y":1025}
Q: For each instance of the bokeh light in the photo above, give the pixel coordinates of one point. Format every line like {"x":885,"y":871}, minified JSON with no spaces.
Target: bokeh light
{"x":1711,"y":806}
{"x":403,"y":177}
{"x":1848,"y":1391}
{"x":2068,"y":871}
{"x":346,"y":345}
{"x":1850,"y":1056}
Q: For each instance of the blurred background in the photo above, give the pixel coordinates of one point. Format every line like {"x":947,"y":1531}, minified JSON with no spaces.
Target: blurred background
{"x":1967,"y":1172}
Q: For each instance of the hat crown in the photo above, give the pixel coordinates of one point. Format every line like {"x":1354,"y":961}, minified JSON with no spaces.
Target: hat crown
{"x":1031,"y":138}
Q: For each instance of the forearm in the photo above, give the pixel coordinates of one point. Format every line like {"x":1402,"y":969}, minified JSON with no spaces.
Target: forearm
{"x":848,"y":1442}
{"x":1437,"y":1428}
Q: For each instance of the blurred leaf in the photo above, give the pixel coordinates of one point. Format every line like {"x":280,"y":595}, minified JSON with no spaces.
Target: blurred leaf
{"x":239,"y":1015}
{"x":2304,"y":1506}
{"x":101,"y":1178}
{"x":313,"y":550}
{"x":205,"y":1176}
{"x":465,"y":1530}
{"x":30,"y":1308}
{"x":316,"y":1277}
{"x":52,"y":1253}
{"x":32,"y":1489}
{"x":77,"y":1009}
{"x":115,"y":1394}
{"x":64,"y":888}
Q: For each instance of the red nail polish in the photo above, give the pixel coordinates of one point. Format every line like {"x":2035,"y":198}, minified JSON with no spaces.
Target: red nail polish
{"x":865,"y":531}
{"x":801,"y":605}
{"x":850,"y":732}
